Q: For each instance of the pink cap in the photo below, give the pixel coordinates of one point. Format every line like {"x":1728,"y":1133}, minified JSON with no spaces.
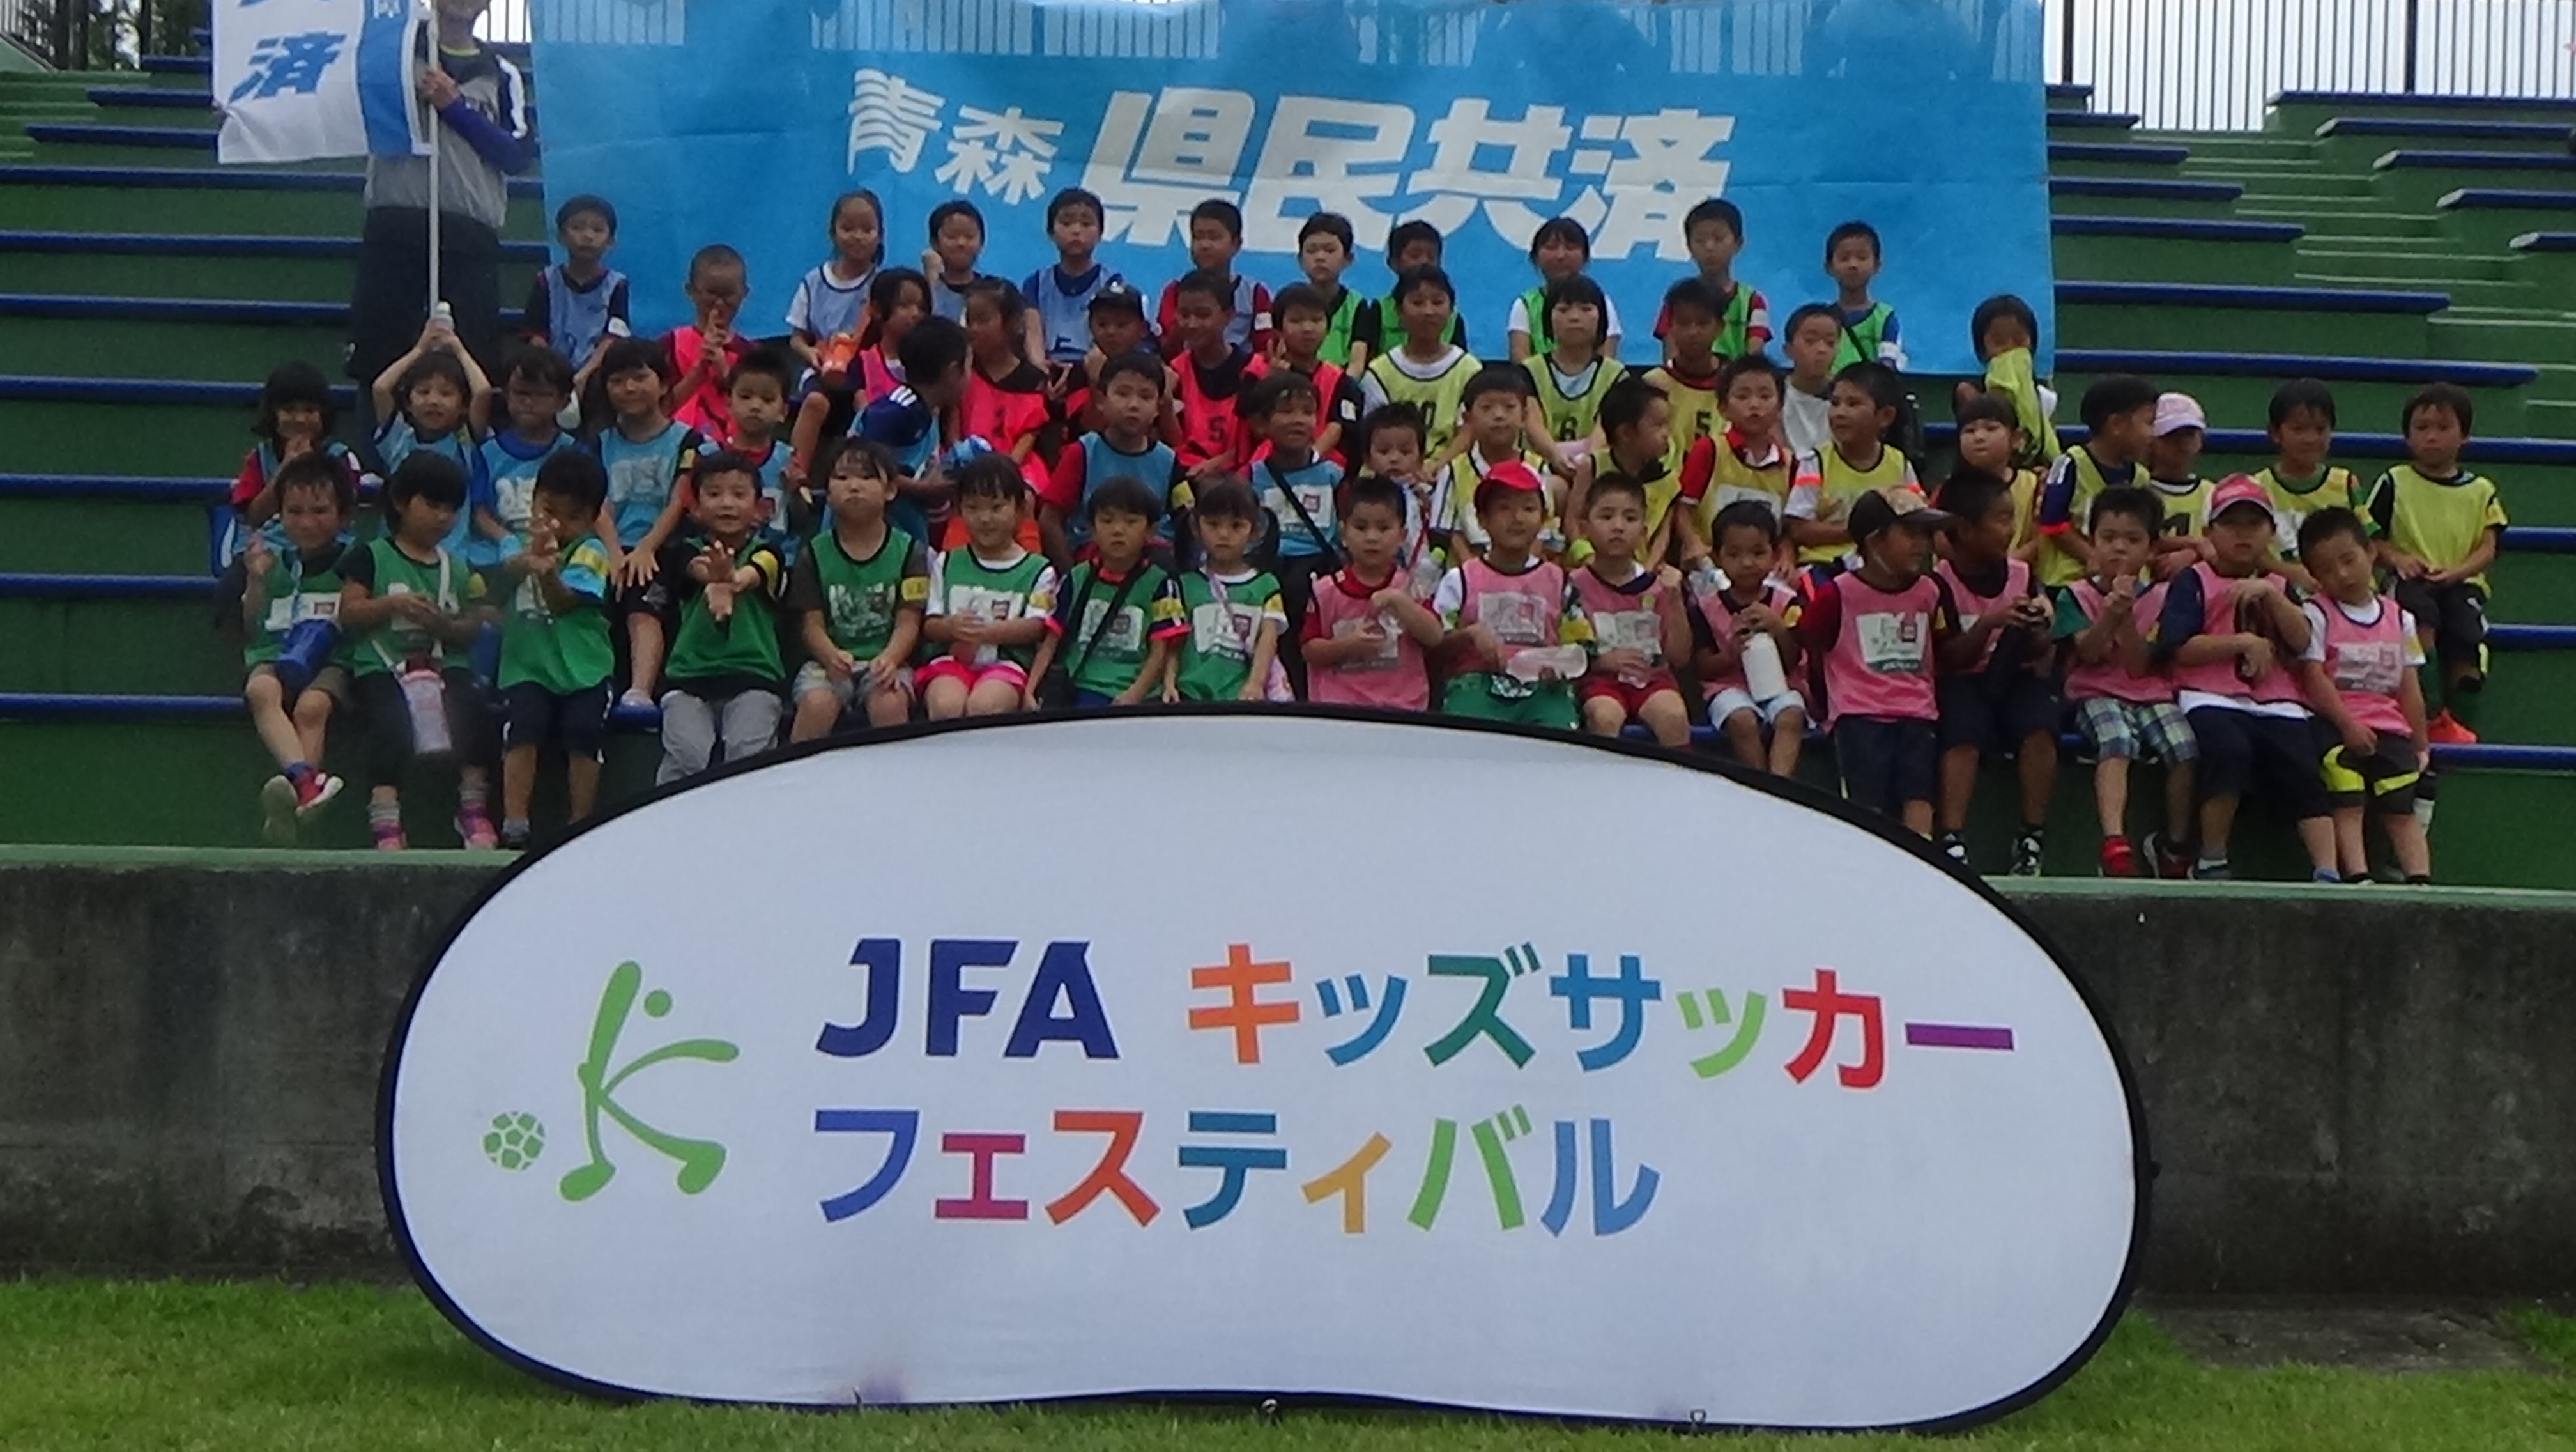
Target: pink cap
{"x":2178,"y":411}
{"x":1509,"y":474}
{"x":2238,"y":489}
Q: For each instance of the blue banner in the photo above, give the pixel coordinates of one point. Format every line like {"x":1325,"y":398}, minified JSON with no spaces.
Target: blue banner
{"x":741,"y":122}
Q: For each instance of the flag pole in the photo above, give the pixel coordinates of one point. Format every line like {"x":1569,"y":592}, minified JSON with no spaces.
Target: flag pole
{"x":434,"y":146}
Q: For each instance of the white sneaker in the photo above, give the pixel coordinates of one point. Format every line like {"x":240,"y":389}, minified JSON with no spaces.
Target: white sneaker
{"x":277,"y":808}
{"x":635,"y":700}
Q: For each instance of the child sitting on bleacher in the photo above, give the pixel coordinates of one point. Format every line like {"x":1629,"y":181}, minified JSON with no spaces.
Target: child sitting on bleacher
{"x":2366,"y":694}
{"x":556,"y":655}
{"x":287,"y":601}
{"x":431,"y":399}
{"x":2299,"y":480}
{"x":2119,"y":420}
{"x":2173,"y":478}
{"x":296,"y":416}
{"x":501,"y":488}
{"x":408,"y":607}
{"x":2123,"y":701}
{"x":2439,"y":526}
{"x":726,"y":671}
{"x":1997,"y":688}
{"x":577,"y":306}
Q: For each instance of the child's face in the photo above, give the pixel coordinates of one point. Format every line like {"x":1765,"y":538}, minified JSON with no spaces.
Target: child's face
{"x":1986,"y":444}
{"x":2303,"y":439}
{"x":311,"y":517}
{"x":1512,"y":518}
{"x":1116,"y":330}
{"x":2343,"y":568}
{"x":1395,"y":453}
{"x":1691,"y":333}
{"x":717,"y":293}
{"x":729,"y":503}
{"x":422,"y":523}
{"x":1120,"y":537}
{"x":1131,"y":404}
{"x":1899,"y":550}
{"x":759,"y":407}
{"x":2240,"y":536}
{"x":990,"y":522}
{"x":1213,"y":245}
{"x":562,"y":514}
{"x":1615,"y":522}
{"x":1855,"y":420}
{"x":1323,"y":259}
{"x":987,"y":333}
{"x":1292,"y":426}
{"x":1713,"y":246}
{"x":297,"y":421}
{"x":1853,"y":264}
{"x":2003,"y":335}
{"x":1986,"y":538}
{"x":1652,"y":438}
{"x":2433,"y":439}
{"x":1201,"y":320}
{"x":858,"y":234}
{"x":1425,"y":312}
{"x":533,"y":404}
{"x":2120,"y":546}
{"x":1558,"y":259}
{"x":636,"y":393}
{"x":1745,"y":555}
{"x":1752,"y":404}
{"x":1075,"y":231}
{"x":1494,"y":422}
{"x":856,"y":492}
{"x":1578,"y":323}
{"x":2175,"y":456}
{"x":1415,"y":254}
{"x":959,"y":243}
{"x":1224,"y":538}
{"x":1302,"y":332}
{"x":2127,"y":435}
{"x":1811,"y":347}
{"x":1373,"y":532}
{"x":435,"y":405}
{"x":910,"y":307}
{"x":585,"y":236}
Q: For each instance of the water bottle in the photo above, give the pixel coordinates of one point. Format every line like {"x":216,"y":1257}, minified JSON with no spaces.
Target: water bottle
{"x":1763,"y":677}
{"x":426,"y":695}
{"x":1704,"y":583}
{"x":306,"y":649}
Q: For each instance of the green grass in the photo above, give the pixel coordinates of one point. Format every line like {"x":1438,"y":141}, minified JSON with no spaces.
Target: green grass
{"x":263,"y":1366}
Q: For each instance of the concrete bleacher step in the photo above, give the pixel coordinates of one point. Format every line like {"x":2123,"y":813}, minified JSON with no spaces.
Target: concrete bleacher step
{"x":243,"y":200}
{"x":2348,"y":256}
{"x":2531,"y":675}
{"x":2417,"y":180}
{"x":2141,"y":197}
{"x":2343,"y":224}
{"x":2307,"y":188}
{"x":2237,"y":387}
{"x":2115,"y":159}
{"x":89,"y":426}
{"x":88,"y":143}
{"x":106,"y":524}
{"x":2169,"y":249}
{"x":98,"y":337}
{"x":2368,"y":323}
{"x":154,"y":106}
{"x":2463,"y":292}
{"x":2300,"y":113}
{"x":2355,"y":143}
{"x":295,"y":269}
{"x":2489,"y":218}
{"x":91,"y":634}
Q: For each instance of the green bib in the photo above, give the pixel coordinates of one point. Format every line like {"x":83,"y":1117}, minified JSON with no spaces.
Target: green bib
{"x":744,"y":644}
{"x":1860,"y":340}
{"x":1336,"y":348}
{"x":968,"y":586}
{"x":446,"y":581}
{"x":566,"y":653}
{"x":1110,"y":665}
{"x":294,"y":596}
{"x":1571,"y":414}
{"x":1217,"y":658}
{"x":861,"y":597}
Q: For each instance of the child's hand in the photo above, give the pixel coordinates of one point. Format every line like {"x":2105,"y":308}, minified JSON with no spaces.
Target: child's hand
{"x":294,"y":446}
{"x":2360,"y":740}
{"x":2254,"y":656}
{"x":2032,"y":612}
{"x":2251,"y":592}
{"x":1625,"y":662}
{"x":417,"y":609}
{"x":930,"y":266}
{"x":718,"y":336}
{"x":257,"y":558}
{"x":1252,"y":691}
{"x":1755,"y":620}
{"x":1483,"y":646}
{"x":1999,"y":614}
{"x":2407,"y":566}
{"x":1668,"y":577}
{"x":1029,"y":697}
{"x":794,"y":473}
{"x":638,"y":568}
{"x":967,"y":633}
{"x":1388,"y":599}
{"x":882,"y":669}
{"x":840,"y":665}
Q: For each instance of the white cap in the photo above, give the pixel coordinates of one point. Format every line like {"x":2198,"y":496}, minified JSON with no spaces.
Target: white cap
{"x":2178,"y":411}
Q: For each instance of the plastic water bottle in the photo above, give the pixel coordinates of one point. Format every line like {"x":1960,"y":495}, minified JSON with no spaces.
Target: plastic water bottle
{"x":1704,"y":583}
{"x":1763,"y":677}
{"x":426,"y":695}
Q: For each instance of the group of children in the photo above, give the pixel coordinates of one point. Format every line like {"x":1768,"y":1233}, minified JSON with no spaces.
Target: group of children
{"x":942,"y":493}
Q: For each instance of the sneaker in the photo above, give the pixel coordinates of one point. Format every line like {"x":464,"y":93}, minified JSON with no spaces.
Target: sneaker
{"x":389,"y":838}
{"x":1953,"y":846}
{"x":2026,"y":855}
{"x":475,"y":826}
{"x":2173,"y":861}
{"x":2212,"y":872}
{"x":514,"y":839}
{"x":2119,"y":859}
{"x":635,"y":700}
{"x":277,"y":807}
{"x":2445,"y":730}
{"x":311,"y":793}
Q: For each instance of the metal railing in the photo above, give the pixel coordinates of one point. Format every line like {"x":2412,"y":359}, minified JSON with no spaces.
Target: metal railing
{"x":2214,"y":65}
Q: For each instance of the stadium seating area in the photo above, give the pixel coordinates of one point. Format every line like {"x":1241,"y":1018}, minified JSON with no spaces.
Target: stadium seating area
{"x":2376,"y":242}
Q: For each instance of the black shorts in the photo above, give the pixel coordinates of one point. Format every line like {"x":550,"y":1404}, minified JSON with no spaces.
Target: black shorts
{"x":2276,"y":757}
{"x":1996,"y":714}
{"x":538,"y":717}
{"x":1886,"y":764}
{"x":2457,"y":617}
{"x":2385,"y":780}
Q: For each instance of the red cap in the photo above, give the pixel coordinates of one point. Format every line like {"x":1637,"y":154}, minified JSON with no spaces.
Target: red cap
{"x":1509,"y":474}
{"x":2238,"y":489}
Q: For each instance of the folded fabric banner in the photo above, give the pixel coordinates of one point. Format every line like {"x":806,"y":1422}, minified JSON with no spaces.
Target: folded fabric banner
{"x":300,"y":80}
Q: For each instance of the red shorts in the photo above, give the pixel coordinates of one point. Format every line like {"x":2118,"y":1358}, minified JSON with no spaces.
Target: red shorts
{"x":970,"y":677}
{"x":1606,"y":686}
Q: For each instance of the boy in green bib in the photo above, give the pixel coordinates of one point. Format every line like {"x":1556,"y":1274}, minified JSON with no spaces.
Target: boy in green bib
{"x":279,"y":592}
{"x":556,"y":657}
{"x":1118,"y":617}
{"x":1235,"y":614}
{"x":989,"y":601}
{"x":725,"y":672}
{"x":857,"y":595}
{"x":408,"y":609}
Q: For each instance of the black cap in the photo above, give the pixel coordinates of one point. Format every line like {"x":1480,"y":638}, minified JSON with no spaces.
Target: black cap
{"x":1117,"y":294}
{"x":1873,"y":513}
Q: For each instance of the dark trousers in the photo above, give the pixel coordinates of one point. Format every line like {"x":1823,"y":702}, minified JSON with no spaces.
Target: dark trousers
{"x":390,"y":300}
{"x":386,"y":713}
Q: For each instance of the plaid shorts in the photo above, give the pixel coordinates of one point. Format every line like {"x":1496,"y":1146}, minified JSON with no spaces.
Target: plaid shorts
{"x":2115,"y":728}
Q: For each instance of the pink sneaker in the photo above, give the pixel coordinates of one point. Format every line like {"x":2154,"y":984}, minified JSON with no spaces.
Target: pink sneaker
{"x":389,"y":838}
{"x":475,"y":826}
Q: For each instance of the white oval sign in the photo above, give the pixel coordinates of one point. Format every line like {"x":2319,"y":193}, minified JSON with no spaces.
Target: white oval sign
{"x":1264,"y":1053}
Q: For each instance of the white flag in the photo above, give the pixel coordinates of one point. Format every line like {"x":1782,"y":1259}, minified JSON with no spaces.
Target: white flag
{"x":299,"y":80}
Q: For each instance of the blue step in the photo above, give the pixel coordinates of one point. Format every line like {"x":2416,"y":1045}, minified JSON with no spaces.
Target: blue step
{"x":209,"y":179}
{"x":2177,"y":229}
{"x":2070,"y":93}
{"x":85,"y":133}
{"x":174,"y":310}
{"x":27,"y":389}
{"x":2493,"y":199}
{"x":2545,"y":242}
{"x":2532,"y":637}
{"x":151,"y":244}
{"x":2137,"y":152}
{"x":2144,"y":188}
{"x":2254,"y":443}
{"x":2474,"y":105}
{"x":47,"y":706}
{"x":2527,"y":539}
{"x":2296,"y":365}
{"x":2496,"y":757}
{"x":156,"y":97}
{"x":2446,"y":130}
{"x":177,"y":65}
{"x":2459,"y":161}
{"x":2265,"y":299}
{"x":119,"y":486}
{"x":103,"y":587}
{"x":2103,"y":120}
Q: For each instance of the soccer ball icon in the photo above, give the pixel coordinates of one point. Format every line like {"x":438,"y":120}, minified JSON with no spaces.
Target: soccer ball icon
{"x":514,"y":1141}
